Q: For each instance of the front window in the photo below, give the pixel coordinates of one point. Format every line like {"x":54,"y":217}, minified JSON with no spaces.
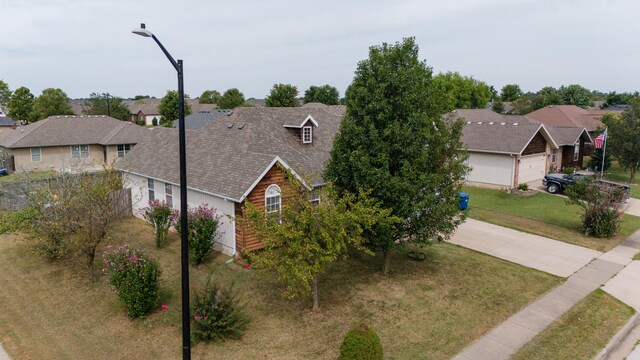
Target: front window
{"x":168,"y":192}
{"x":151,"y":187}
{"x":554,"y":155}
{"x":36,"y":154}
{"x":576,"y":152}
{"x":272,"y":200}
{"x":79,"y":151}
{"x":123,"y":149}
{"x":307,"y":134}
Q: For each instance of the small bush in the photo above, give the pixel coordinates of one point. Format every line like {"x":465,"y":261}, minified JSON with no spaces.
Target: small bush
{"x":523,"y":187}
{"x":204,"y":223}
{"x":160,"y":215}
{"x":601,"y":221}
{"x":217,"y":314}
{"x":361,"y":343}
{"x":568,"y":170}
{"x":135,"y":279}
{"x":154,"y":121}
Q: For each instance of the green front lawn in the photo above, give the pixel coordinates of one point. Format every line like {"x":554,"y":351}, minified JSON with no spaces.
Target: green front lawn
{"x":541,"y":214}
{"x":18,"y":176}
{"x":618,"y":174}
{"x":580,"y":333}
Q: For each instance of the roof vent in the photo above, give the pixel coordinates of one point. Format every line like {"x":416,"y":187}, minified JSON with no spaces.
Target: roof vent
{"x":468,"y":122}
{"x":229,"y":126}
{"x":240,"y":126}
{"x":230,"y":112}
{"x":491,"y":123}
{"x":502,"y":123}
{"x":479,"y":122}
{"x":515,"y":124}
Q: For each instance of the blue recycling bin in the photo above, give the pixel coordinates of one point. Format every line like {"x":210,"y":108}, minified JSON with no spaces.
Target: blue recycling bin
{"x":463,"y":202}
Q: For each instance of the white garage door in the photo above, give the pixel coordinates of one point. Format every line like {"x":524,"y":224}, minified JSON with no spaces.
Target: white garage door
{"x":532,"y":168}
{"x":496,"y":169}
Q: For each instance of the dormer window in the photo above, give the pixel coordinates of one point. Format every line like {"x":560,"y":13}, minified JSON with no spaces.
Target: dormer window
{"x":307,"y":134}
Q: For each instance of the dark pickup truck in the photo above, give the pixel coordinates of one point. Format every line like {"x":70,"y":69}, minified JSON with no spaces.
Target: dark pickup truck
{"x":556,"y":183}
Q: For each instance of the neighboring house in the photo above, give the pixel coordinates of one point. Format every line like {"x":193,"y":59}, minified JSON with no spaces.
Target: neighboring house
{"x":147,"y":109}
{"x":201,"y":119}
{"x":237,"y":159}
{"x":67,"y":143}
{"x":504,"y":150}
{"x":570,"y":116}
{"x":6,"y":123}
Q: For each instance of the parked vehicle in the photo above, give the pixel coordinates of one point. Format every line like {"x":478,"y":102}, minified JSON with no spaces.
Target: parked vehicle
{"x":4,"y":172}
{"x":556,"y":183}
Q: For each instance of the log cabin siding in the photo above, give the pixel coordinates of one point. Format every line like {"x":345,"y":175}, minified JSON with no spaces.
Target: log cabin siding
{"x":537,"y":145}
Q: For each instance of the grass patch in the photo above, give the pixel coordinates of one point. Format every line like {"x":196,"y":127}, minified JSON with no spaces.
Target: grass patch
{"x":580,"y":333}
{"x":637,"y":256}
{"x":541,"y":214}
{"x":430,"y":309}
{"x":19,"y":176}
{"x":618,"y":174}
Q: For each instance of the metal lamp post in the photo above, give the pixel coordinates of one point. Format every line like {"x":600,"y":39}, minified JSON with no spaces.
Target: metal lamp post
{"x":186,"y":317}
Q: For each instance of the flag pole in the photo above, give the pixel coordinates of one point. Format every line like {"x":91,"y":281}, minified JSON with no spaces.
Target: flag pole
{"x":604,"y":150}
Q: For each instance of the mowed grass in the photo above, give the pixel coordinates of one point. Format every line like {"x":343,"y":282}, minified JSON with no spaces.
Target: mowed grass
{"x":618,"y":174}
{"x":19,"y":176}
{"x":430,"y":309}
{"x":580,"y":333}
{"x":541,"y":214}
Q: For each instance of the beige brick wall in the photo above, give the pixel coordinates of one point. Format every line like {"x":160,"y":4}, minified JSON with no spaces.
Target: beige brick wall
{"x":58,"y":158}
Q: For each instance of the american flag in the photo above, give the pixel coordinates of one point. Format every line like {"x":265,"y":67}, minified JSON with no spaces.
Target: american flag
{"x":599,"y":141}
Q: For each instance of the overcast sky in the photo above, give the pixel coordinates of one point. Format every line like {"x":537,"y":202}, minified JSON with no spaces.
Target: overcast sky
{"x":84,"y":46}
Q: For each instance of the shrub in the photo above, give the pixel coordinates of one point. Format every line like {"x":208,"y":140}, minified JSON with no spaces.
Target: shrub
{"x":160,"y":215}
{"x":601,"y":221}
{"x":568,"y":170}
{"x":217,"y":314}
{"x":523,"y":187}
{"x":204,"y":223}
{"x":601,"y":206}
{"x":154,"y":122}
{"x":361,"y":343}
{"x":135,"y":278}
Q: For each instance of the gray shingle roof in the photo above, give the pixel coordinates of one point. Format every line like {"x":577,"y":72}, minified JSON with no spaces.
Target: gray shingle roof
{"x":6,"y":121}
{"x":568,"y":135}
{"x":201,"y":119}
{"x":227,"y":158}
{"x":73,"y":130}
{"x":508,"y":138}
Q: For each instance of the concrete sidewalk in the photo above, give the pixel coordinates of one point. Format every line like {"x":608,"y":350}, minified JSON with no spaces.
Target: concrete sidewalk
{"x":537,"y":252}
{"x":3,"y":354}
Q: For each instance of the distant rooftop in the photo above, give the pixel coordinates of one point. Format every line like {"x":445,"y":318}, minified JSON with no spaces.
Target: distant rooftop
{"x":201,"y":119}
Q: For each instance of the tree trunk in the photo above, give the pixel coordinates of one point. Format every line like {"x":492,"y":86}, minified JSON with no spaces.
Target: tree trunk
{"x":387,"y":261}
{"x":90,"y":260}
{"x":633,"y":174}
{"x":314,"y":289}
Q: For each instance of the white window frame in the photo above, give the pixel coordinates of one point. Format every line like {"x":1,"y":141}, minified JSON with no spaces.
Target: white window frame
{"x":79,"y":152}
{"x":123,"y":149}
{"x":315,"y":197}
{"x":273,"y":200}
{"x":307,"y":130}
{"x":576,"y":151}
{"x":36,"y":157}
{"x":168,"y":194}
{"x":554,"y":155}
{"x":151,"y":189}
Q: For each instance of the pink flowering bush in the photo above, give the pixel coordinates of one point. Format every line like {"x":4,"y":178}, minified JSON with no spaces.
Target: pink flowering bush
{"x":217,"y":314}
{"x":135,"y":278}
{"x":204,"y":224}
{"x":161,"y":216}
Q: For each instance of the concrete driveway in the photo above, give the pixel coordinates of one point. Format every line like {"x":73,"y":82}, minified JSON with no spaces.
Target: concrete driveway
{"x":537,"y":252}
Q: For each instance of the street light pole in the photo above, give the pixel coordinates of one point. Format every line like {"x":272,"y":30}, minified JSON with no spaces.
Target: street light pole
{"x":184,"y":243}
{"x":106,"y":95}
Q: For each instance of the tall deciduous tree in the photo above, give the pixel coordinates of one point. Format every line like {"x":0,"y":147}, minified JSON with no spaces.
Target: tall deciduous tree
{"x":231,"y":99}
{"x":389,"y":143}
{"x":510,"y":92}
{"x":624,"y":137}
{"x":548,"y":95}
{"x":325,"y":94}
{"x":450,"y":91}
{"x":309,"y":236}
{"x":576,"y":95}
{"x":209,"y":97}
{"x":282,"y":95}
{"x":614,"y":98}
{"x":51,"y":102}
{"x":5,"y":95}
{"x":105,"y":104}
{"x":521,"y":106}
{"x":21,"y":104}
{"x":168,"y":107}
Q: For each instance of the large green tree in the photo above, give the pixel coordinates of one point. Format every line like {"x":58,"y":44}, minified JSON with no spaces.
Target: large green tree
{"x":450,"y":91}
{"x":510,"y":92}
{"x":576,"y":95}
{"x":168,"y":107}
{"x":389,"y":143}
{"x":231,"y":99}
{"x":5,"y":95}
{"x":105,"y":104}
{"x":209,"y":97}
{"x":548,"y":95}
{"x":282,"y":95}
{"x":614,"y":98}
{"x":623,"y":140}
{"x":21,"y":104}
{"x":325,"y":94}
{"x":51,"y":102}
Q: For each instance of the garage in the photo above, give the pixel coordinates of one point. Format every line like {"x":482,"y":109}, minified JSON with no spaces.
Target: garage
{"x":487,"y":168}
{"x":532,"y":167}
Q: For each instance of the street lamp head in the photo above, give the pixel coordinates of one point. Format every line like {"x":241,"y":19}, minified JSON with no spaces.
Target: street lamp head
{"x":142,"y":31}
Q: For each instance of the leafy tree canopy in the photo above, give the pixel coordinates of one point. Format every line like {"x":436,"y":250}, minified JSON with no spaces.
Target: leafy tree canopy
{"x":231,"y":99}
{"x":282,"y":95}
{"x":624,"y":98}
{"x":521,"y":106}
{"x":391,"y":144}
{"x":209,"y":97}
{"x":576,"y":95}
{"x":51,"y":102}
{"x":21,"y":104}
{"x":548,"y":95}
{"x":450,"y":91}
{"x":141,"y":97}
{"x":510,"y":92}
{"x":105,"y":104}
{"x":325,"y":94}
{"x":623,"y":140}
{"x":168,"y":107}
{"x":5,"y":95}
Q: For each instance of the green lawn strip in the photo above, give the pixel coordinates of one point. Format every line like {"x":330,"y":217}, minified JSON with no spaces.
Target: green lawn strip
{"x":618,"y":174}
{"x":581,"y":332}
{"x":19,"y":176}
{"x":541,"y":214}
{"x":637,"y":256}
